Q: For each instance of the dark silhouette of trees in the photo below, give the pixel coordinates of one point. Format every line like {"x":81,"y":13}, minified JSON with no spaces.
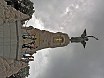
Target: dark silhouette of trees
{"x":23,"y":73}
{"x":24,"y":6}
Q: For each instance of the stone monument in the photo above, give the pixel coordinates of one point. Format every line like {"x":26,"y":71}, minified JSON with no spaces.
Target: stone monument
{"x":17,"y":41}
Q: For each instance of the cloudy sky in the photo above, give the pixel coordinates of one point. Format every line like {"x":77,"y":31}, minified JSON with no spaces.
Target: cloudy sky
{"x":71,"y":17}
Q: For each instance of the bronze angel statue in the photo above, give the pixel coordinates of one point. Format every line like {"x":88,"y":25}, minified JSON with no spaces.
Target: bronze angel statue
{"x":83,"y":39}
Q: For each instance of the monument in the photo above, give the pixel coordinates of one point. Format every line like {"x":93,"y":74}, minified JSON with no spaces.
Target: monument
{"x":18,"y":43}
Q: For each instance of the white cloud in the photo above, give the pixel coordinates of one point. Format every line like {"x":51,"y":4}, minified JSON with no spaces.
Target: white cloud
{"x":36,"y":22}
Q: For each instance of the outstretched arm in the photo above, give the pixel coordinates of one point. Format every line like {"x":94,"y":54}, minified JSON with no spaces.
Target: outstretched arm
{"x":93,"y":37}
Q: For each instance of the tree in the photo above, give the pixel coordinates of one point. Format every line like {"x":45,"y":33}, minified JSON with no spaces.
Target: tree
{"x":27,"y":7}
{"x":24,"y":6}
{"x":23,"y":73}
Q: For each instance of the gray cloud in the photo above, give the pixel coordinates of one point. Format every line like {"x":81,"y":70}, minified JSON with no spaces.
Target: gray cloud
{"x":72,"y":61}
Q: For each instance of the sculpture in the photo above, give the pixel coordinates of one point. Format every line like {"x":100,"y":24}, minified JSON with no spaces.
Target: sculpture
{"x":82,"y":39}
